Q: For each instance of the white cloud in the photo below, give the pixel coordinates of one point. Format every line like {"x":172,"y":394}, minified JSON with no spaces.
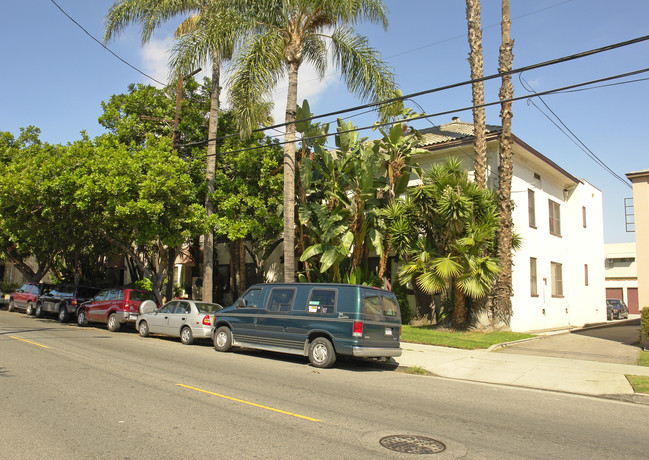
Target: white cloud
{"x":155,"y":59}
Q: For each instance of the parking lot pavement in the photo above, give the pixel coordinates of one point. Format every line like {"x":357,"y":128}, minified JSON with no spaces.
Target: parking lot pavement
{"x":616,"y":342}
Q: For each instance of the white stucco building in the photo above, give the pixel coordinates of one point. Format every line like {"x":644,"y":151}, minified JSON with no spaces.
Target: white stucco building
{"x":558,"y":274}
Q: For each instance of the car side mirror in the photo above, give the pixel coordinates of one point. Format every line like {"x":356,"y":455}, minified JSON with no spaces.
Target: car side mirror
{"x":241,"y":303}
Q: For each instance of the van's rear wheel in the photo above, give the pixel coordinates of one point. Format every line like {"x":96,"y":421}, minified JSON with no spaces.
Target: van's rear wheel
{"x":322,"y":353}
{"x":223,"y":339}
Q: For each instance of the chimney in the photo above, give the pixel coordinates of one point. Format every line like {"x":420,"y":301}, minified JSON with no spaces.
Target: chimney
{"x":455,"y":119}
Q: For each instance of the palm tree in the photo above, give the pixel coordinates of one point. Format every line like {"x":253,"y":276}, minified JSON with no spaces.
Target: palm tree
{"x":210,"y":35}
{"x":447,"y":245}
{"x":282,"y":34}
{"x":479,"y":118}
{"x":503,"y":290}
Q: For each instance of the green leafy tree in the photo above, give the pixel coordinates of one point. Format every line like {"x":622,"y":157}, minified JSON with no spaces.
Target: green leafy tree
{"x":248,"y":199}
{"x":280,"y":36}
{"x":25,"y":222}
{"x":447,"y":247}
{"x":140,"y":199}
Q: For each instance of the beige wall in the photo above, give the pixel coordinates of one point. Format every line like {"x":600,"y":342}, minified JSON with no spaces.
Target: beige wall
{"x":640,"y":182}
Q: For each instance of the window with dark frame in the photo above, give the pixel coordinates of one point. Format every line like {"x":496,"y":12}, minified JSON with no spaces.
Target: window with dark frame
{"x":322,"y":301}
{"x":555,"y":217}
{"x":556,"y":273}
{"x":531,"y":208}
{"x":534,"y":290}
{"x":586,"y":274}
{"x":583,"y":215}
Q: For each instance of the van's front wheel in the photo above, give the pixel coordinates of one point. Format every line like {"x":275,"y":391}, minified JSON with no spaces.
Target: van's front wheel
{"x":322,"y":353}
{"x":223,"y":339}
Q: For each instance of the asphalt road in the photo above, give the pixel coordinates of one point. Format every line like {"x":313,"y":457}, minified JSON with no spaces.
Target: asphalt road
{"x":96,"y":394}
{"x":616,"y":343}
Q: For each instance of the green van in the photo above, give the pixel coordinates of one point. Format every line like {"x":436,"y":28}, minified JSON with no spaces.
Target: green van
{"x":316,"y":320}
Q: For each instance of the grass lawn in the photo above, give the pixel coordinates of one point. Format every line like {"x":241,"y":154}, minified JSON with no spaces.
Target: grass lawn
{"x":467,"y":340}
{"x":640,"y":383}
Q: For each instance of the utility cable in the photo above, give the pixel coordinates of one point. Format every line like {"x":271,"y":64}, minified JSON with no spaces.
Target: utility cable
{"x":447,"y":112}
{"x":105,"y":47}
{"x":447,"y":87}
{"x":572,"y":136}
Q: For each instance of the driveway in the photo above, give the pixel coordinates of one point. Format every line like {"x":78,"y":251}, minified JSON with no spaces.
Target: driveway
{"x":617,"y":342}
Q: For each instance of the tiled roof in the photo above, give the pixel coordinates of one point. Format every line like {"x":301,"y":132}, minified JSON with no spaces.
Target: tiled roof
{"x":453,"y":131}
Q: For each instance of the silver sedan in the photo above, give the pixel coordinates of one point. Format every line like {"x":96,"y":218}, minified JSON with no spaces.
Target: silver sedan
{"x":187,"y":319}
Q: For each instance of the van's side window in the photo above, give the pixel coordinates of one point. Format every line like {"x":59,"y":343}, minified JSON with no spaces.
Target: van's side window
{"x":281,"y":300}
{"x":390,"y":308}
{"x":253,"y":298}
{"x":372,"y":304}
{"x":322,"y":301}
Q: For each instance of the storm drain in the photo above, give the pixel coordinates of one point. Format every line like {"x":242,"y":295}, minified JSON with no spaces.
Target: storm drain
{"x":412,"y":444}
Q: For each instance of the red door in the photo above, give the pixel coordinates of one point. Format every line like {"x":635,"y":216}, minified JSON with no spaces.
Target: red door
{"x":632,"y":300}
{"x":615,"y":293}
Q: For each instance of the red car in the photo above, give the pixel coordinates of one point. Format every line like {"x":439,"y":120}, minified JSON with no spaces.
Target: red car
{"x":114,"y":307}
{"x":25,"y":297}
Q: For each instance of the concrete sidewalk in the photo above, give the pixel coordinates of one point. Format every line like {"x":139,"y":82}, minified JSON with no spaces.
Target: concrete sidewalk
{"x":540,"y":372}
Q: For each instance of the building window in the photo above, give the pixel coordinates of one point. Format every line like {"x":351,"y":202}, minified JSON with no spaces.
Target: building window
{"x":557,"y":279}
{"x":531,"y":208}
{"x":583,"y":215}
{"x":555,"y":218}
{"x":534,"y":291}
{"x":586,"y":274}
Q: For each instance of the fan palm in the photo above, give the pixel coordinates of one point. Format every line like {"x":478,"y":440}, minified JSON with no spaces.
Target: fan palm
{"x":282,"y":34}
{"x":455,"y":227}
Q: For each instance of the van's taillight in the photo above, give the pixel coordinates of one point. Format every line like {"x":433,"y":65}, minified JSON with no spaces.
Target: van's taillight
{"x":207,"y":320}
{"x":73,"y":301}
{"x":127,"y":306}
{"x":357,"y":330}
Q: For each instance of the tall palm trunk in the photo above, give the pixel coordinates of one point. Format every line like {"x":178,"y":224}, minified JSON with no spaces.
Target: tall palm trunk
{"x":289,"y":175}
{"x":503,"y":291}
{"x":210,"y":174}
{"x":476,"y":61}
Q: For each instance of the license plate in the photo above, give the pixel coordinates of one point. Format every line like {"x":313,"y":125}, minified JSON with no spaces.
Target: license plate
{"x":388,"y":331}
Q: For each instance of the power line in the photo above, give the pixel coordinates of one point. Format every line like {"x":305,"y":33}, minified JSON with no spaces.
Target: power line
{"x":575,"y":139}
{"x":452,"y":111}
{"x":104,"y":46}
{"x":446,"y":87}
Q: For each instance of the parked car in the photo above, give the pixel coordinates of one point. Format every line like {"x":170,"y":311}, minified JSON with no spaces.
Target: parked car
{"x":114,"y":307}
{"x":187,"y":319}
{"x":25,"y":297}
{"x":616,"y":309}
{"x":315,"y":320}
{"x":64,"y":300}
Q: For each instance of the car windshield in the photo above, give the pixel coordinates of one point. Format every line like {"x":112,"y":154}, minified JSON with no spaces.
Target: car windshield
{"x":615,"y":303}
{"x":205,"y":307}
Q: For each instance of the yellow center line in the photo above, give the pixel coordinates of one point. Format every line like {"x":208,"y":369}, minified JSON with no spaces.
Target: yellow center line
{"x":27,"y":341}
{"x":250,"y":403}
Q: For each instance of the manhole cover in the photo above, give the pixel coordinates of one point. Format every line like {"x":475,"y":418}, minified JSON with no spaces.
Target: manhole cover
{"x":412,"y":444}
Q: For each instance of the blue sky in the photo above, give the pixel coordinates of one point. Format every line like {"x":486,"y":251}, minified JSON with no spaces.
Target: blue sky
{"x":55,"y":77}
